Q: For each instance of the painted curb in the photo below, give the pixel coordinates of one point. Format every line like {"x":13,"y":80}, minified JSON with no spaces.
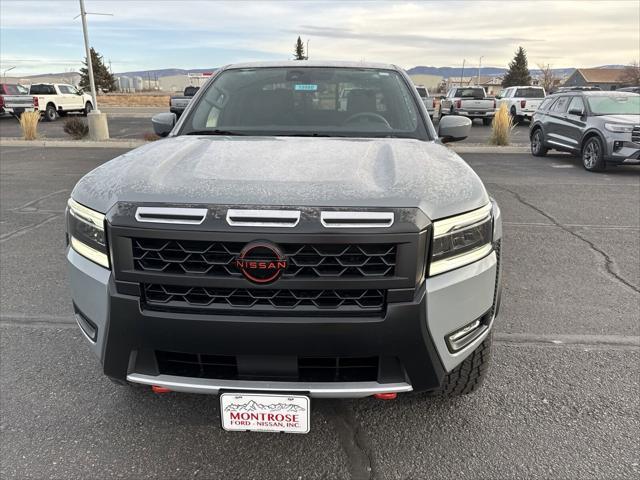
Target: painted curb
{"x":18,"y":142}
{"x":114,"y":143}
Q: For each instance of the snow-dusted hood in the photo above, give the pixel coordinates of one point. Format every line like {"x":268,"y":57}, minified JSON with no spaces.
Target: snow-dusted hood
{"x":286,"y":171}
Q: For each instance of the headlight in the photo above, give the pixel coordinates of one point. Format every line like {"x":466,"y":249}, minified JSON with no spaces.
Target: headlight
{"x":461,"y":240}
{"x":86,"y":233}
{"x":618,"y":127}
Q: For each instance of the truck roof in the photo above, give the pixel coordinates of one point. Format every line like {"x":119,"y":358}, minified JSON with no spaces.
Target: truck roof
{"x":310,"y":63}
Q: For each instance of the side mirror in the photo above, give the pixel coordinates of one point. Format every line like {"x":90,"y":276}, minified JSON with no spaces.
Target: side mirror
{"x":453,"y":128}
{"x":498,"y":97}
{"x":576,"y":111}
{"x":163,"y":123}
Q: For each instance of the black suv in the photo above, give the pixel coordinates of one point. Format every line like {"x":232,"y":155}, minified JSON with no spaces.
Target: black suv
{"x":601,"y":127}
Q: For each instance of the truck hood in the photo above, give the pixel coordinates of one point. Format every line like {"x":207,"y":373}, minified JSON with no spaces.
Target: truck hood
{"x":282,"y":171}
{"x":627,"y":118}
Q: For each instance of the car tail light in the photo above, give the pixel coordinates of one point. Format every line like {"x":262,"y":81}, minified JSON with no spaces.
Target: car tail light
{"x":495,"y":104}
{"x":1,"y":101}
{"x":433,"y":102}
{"x":523,"y":103}
{"x":458,"y":103}
{"x":35,"y":102}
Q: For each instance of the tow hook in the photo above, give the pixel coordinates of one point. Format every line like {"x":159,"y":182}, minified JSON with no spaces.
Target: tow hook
{"x":386,"y":396}
{"x":158,"y":389}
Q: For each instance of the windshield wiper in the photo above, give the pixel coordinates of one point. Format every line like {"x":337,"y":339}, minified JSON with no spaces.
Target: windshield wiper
{"x":215,"y":132}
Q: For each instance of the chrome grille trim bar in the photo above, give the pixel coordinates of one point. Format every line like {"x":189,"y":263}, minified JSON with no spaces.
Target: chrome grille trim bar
{"x":184,"y":216}
{"x":313,"y":389}
{"x":331,"y":219}
{"x":263,"y":218}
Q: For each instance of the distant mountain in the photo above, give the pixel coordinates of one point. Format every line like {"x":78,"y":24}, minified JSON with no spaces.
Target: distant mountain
{"x":164,"y":72}
{"x":448,"y":72}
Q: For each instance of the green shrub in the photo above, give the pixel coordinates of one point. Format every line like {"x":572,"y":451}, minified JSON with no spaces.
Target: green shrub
{"x":76,"y":128}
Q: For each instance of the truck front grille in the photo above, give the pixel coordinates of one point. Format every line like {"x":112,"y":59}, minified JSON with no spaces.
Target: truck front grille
{"x":309,"y":369}
{"x":173,"y":297}
{"x":192,"y":257}
{"x":635,"y":134}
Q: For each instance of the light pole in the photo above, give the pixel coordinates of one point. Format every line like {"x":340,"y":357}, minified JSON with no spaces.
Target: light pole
{"x":307,"y":49}
{"x":98,"y":127}
{"x":4,"y":75}
{"x":479,"y":67}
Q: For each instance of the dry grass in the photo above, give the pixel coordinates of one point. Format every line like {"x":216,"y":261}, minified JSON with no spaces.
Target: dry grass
{"x":151,"y":137}
{"x":134,"y":100}
{"x":501,"y":127}
{"x":29,"y":125}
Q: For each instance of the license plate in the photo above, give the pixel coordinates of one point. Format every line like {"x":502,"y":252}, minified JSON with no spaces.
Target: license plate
{"x":265,"y":413}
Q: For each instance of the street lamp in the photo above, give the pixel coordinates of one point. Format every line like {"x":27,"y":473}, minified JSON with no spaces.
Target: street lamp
{"x":4,"y":75}
{"x":98,"y":128}
{"x":479,"y":67}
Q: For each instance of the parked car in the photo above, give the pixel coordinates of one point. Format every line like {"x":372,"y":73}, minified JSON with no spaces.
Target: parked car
{"x":14,"y":99}
{"x":428,"y":100}
{"x":602,"y":127}
{"x":521,"y":102}
{"x":58,"y":99}
{"x":470,"y":102}
{"x":635,"y":89}
{"x":178,"y":103}
{"x":275,"y":248}
{"x":578,"y":88}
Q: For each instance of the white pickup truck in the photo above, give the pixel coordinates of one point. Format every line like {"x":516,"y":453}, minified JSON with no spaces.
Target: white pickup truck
{"x":58,"y":99}
{"x":470,"y":102}
{"x":429,"y":101}
{"x":522,"y":102}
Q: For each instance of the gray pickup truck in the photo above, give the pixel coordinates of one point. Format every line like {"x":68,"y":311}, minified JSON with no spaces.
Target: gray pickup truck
{"x":470,"y":102}
{"x":178,"y":103}
{"x":276,"y":247}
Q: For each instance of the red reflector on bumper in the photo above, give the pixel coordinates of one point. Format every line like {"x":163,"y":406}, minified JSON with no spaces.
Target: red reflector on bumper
{"x":157,"y":389}
{"x":386,"y":396}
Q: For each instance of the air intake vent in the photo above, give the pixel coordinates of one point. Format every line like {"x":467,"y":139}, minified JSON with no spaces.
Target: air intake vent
{"x":185,"y":216}
{"x":356,"y":219}
{"x":263,"y":218}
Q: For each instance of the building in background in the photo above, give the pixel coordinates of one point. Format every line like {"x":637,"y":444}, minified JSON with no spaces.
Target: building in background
{"x":177,"y":83}
{"x":492,"y":85}
{"x":605,"y":78}
{"x":432,"y":82}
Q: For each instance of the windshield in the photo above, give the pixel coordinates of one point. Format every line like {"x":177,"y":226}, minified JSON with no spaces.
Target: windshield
{"x":615,"y":104}
{"x":307,"y":101}
{"x":529,"y":93}
{"x":470,"y":93}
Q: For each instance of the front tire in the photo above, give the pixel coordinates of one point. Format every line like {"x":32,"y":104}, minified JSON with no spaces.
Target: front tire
{"x":593,"y":155}
{"x":487,"y":121}
{"x":470,"y":374}
{"x":50,"y":113}
{"x":537,"y":144}
{"x":87,"y":109}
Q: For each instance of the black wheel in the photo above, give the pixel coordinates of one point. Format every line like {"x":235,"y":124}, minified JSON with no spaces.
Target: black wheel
{"x":50,"y":113}
{"x":516,"y":119}
{"x":87,"y":108}
{"x":487,"y":121}
{"x":537,"y":144}
{"x":593,"y":155}
{"x":469,"y":375}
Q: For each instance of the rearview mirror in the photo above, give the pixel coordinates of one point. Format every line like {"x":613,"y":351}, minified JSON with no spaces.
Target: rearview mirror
{"x":163,"y":123}
{"x":453,"y":128}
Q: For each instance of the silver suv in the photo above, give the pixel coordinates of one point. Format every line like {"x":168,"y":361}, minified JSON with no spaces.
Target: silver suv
{"x":602,"y":127}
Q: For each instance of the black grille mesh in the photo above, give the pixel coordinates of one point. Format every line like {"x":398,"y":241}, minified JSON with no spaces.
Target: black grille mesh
{"x":192,"y":257}
{"x":173,"y":296}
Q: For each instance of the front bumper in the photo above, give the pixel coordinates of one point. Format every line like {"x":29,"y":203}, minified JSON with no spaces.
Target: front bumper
{"x":623,"y":152}
{"x":413,"y":332}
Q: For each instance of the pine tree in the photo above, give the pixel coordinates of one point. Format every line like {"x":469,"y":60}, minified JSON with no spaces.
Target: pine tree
{"x":299,"y":52}
{"x":518,"y":73}
{"x":105,"y":81}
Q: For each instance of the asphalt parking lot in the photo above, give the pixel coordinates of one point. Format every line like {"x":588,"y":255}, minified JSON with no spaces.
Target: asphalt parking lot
{"x":135,"y":123}
{"x":562,"y":399}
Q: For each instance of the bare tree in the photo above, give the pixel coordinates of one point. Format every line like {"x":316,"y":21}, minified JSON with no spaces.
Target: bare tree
{"x":548,"y":79}
{"x":631,"y":74}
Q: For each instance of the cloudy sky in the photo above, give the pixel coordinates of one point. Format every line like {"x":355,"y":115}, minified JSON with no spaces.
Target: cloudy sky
{"x":41,"y":37}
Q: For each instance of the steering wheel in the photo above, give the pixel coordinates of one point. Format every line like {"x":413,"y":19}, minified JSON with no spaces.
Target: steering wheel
{"x":373,"y":116}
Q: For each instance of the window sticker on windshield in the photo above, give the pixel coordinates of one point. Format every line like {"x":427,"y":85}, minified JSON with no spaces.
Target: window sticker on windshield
{"x":306,"y":87}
